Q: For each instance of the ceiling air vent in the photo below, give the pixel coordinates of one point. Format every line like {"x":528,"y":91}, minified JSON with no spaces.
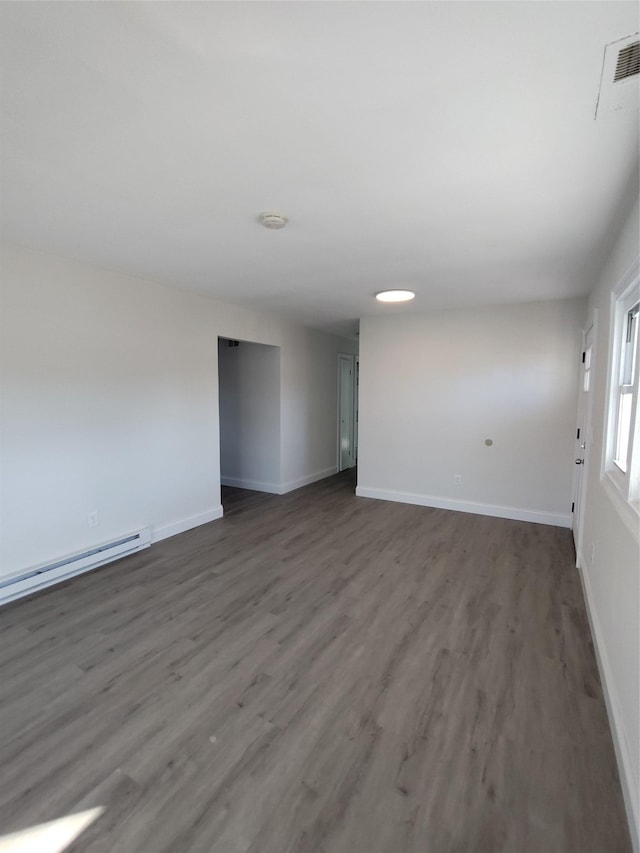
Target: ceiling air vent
{"x":628,"y":62}
{"x":620,"y":77}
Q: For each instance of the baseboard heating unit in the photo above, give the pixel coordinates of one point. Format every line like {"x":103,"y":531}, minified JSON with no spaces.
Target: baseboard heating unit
{"x":40,"y":577}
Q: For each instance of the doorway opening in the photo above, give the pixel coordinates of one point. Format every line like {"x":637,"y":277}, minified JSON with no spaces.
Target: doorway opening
{"x":348,"y":381}
{"x":249,"y":410}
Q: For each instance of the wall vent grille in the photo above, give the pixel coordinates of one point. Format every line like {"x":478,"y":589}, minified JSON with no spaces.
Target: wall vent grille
{"x":620,"y":77}
{"x":628,"y":62}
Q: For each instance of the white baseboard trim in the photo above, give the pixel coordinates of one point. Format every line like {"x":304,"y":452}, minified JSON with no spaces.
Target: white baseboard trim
{"x":630,"y":791}
{"x":167,"y":530}
{"x":515,"y":513}
{"x":292,"y":485}
{"x":253,"y":485}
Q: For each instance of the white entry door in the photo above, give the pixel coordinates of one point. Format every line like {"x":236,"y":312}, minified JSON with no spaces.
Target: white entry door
{"x":583,"y":437}
{"x":346,"y":453}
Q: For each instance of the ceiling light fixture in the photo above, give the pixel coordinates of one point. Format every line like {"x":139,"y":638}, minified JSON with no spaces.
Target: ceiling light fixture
{"x":273,"y":221}
{"x":395,"y":296}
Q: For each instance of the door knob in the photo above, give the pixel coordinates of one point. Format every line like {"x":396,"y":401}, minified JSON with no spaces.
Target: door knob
{"x":579,"y":461}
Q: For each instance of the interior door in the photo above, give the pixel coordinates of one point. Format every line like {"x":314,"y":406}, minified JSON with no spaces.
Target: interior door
{"x":582,"y":439}
{"x":346,"y":457}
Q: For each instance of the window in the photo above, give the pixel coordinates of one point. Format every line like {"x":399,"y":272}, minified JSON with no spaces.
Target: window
{"x":623,"y":444}
{"x":626,"y":387}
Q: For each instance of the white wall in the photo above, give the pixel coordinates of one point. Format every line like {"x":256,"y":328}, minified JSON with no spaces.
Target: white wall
{"x":434,"y":386}
{"x":110,"y":403}
{"x":249,"y":394}
{"x":612,"y":577}
{"x":312,"y":428}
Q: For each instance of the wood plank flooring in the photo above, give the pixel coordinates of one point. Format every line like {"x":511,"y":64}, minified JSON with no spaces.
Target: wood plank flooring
{"x":234,"y":499}
{"x":315,"y":673}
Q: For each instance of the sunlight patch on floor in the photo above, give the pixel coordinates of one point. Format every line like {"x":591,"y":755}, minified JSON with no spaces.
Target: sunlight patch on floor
{"x":51,"y":837}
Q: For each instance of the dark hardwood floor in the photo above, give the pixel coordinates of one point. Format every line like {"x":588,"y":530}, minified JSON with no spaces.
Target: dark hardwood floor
{"x":316,"y":673}
{"x":240,"y":500}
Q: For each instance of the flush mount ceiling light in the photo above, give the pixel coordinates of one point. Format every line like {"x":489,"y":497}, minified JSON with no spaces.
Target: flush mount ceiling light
{"x":273,"y":221}
{"x":395,"y":296}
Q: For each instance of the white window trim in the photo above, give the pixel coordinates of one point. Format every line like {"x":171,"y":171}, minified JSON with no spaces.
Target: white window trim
{"x":623,"y":488}
{"x":628,"y":512}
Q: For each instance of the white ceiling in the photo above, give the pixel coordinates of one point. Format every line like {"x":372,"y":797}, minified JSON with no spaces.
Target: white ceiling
{"x":449,"y":147}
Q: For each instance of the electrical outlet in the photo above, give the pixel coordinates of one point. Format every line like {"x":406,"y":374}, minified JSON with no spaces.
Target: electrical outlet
{"x":92,"y":518}
{"x":457,"y":479}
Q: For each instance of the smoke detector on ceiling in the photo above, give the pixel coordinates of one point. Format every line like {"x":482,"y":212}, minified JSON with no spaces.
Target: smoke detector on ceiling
{"x":620,"y":78}
{"x":273,"y":221}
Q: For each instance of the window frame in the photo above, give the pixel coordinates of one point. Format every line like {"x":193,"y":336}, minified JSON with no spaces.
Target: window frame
{"x":627,"y":483}
{"x":627,"y":386}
